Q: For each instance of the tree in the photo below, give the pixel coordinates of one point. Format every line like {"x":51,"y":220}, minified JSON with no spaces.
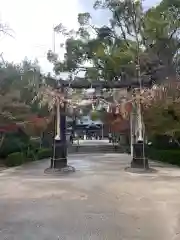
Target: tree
{"x":5,"y":29}
{"x":162,"y":114}
{"x":18,"y":87}
{"x":162,"y":27}
{"x":133,"y":33}
{"x":23,"y":80}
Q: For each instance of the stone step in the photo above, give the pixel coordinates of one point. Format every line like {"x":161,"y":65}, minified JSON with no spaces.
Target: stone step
{"x":94,"y":149}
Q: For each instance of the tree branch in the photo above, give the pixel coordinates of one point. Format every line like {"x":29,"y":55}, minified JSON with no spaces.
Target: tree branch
{"x":173,"y":32}
{"x":120,"y":25}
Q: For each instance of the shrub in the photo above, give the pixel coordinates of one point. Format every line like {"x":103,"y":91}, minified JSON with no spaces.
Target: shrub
{"x":15,"y":159}
{"x":31,"y":155}
{"x":32,"y":150}
{"x":13,"y":143}
{"x":163,"y":142}
{"x":167,"y":156}
{"x":34,"y":144}
{"x":44,"y":153}
{"x":18,"y":158}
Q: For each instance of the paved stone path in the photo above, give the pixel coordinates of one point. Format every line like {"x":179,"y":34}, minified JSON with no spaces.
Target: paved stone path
{"x":100,"y":201}
{"x":93,"y":142}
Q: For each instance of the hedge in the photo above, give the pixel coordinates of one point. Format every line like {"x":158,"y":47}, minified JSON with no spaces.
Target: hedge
{"x":14,"y":142}
{"x":167,"y":156}
{"x":31,"y":155}
{"x":44,"y":153}
{"x":14,"y":159}
{"x":18,"y":158}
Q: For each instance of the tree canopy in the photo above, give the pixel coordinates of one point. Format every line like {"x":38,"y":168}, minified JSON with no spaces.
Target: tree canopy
{"x":18,"y":87}
{"x":133,"y":39}
{"x":132,"y":36}
{"x":136,"y":43}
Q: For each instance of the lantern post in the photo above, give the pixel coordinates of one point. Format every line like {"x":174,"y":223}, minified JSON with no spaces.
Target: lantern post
{"x":137,"y":130}
{"x":59,"y":155}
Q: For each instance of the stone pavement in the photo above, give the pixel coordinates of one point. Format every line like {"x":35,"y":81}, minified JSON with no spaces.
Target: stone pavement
{"x":100,"y":201}
{"x":94,"y":142}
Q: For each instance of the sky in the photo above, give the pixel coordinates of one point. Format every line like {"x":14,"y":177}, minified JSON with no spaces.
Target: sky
{"x":32,"y":24}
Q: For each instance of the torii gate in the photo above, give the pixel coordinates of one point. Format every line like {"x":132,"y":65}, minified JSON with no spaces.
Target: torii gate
{"x":59,"y":156}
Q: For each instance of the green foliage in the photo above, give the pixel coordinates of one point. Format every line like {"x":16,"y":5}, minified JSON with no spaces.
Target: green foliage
{"x":18,"y":87}
{"x":31,"y":155}
{"x":13,"y":143}
{"x":166,"y":156}
{"x":18,"y":158}
{"x":31,"y":151}
{"x":44,"y":153}
{"x":163,"y":142}
{"x":34,"y":143}
{"x":98,"y":115}
{"x":95,"y":115}
{"x":83,"y":18}
{"x":14,"y":159}
{"x":133,"y":34}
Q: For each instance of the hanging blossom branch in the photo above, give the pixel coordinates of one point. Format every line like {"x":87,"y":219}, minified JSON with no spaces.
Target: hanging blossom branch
{"x":168,"y":92}
{"x":48,"y":96}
